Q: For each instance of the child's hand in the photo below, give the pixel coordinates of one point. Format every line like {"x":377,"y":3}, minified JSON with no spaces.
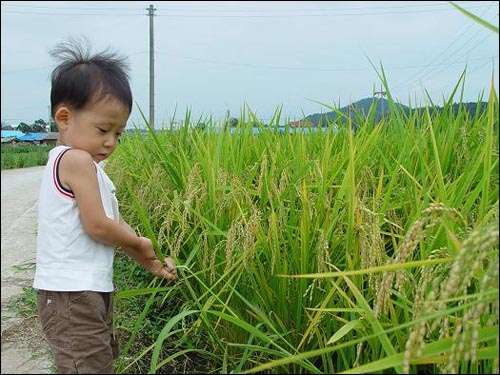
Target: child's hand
{"x":151,"y":262}
{"x":167,"y":271}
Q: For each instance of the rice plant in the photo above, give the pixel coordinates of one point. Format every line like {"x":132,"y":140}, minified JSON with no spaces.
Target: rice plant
{"x":335,"y":251}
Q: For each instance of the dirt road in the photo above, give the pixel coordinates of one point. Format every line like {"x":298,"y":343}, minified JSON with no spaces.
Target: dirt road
{"x":24,"y":350}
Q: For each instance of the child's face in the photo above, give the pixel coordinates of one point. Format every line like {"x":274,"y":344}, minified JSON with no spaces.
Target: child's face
{"x":96,"y":128}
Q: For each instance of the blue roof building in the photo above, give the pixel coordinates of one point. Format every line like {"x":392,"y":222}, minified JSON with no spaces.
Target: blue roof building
{"x":12,"y":133}
{"x":32,"y":137}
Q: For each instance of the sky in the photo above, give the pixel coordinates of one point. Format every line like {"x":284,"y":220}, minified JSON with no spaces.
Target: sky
{"x":216,"y":58}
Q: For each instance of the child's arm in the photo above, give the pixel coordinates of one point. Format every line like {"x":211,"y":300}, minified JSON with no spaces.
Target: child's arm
{"x":77,"y":171}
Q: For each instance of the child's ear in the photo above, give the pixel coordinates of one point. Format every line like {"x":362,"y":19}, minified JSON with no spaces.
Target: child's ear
{"x":61,"y":117}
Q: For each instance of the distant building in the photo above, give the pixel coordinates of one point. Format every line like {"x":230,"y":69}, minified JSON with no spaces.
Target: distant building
{"x":35,"y":138}
{"x":11,"y":133}
{"x":51,"y":138}
{"x":9,"y":136}
{"x":301,"y":124}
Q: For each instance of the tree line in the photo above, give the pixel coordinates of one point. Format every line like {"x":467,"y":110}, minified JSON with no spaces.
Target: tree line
{"x":39,"y":126}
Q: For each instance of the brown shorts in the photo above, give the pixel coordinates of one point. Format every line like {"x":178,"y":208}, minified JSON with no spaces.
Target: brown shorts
{"x":79,"y":329}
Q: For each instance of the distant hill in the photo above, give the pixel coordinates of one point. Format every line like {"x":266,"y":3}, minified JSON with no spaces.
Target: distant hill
{"x":363,"y":107}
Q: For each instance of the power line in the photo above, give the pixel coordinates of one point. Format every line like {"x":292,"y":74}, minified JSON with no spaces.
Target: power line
{"x":72,"y":14}
{"x":280,"y":67}
{"x":447,"y":48}
{"x":308,"y":15}
{"x":406,"y":6}
{"x":325,"y":12}
{"x":410,"y":82}
{"x":468,"y":74}
{"x":466,"y":53}
{"x":336,"y":9}
{"x":57,"y":7}
{"x":24,"y":70}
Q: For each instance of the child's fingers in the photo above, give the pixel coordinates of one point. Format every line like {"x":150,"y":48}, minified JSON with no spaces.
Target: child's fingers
{"x":170,"y":265}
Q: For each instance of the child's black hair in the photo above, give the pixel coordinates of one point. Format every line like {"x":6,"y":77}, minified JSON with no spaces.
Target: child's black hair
{"x":82,"y":78}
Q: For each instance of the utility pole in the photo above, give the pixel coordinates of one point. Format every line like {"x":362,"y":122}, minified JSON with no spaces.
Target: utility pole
{"x":151,"y":10}
{"x":382,"y":94}
{"x":50,"y":119}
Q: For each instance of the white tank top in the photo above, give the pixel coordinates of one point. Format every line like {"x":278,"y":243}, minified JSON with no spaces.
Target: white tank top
{"x":67,"y":258}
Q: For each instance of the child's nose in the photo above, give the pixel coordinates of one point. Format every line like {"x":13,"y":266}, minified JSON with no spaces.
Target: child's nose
{"x":110,"y":141}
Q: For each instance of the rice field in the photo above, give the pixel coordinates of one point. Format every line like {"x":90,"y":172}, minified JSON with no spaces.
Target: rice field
{"x":326,"y":252}
{"x":23,"y":156}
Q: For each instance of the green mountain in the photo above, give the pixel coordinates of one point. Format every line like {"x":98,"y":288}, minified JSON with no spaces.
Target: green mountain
{"x":379,"y":108}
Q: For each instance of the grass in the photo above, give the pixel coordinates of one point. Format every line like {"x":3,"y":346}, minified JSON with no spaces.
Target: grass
{"x":23,"y":156}
{"x":373,"y":252}
{"x":316,"y":253}
{"x":25,"y":304}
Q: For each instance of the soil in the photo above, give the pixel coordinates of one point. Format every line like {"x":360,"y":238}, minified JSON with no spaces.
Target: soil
{"x":24,"y":350}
